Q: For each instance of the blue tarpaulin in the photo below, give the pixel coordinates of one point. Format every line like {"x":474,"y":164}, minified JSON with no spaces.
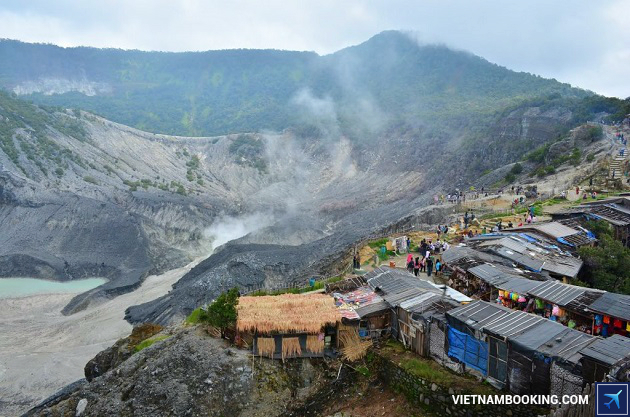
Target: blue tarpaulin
{"x":468,"y":350}
{"x":563,"y":240}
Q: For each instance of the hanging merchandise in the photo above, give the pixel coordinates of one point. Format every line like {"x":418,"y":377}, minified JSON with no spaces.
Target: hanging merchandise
{"x":521,"y":299}
{"x":606,"y":320}
{"x":571,"y":324}
{"x":514,"y":296}
{"x":617,"y":323}
{"x":598,"y":319}
{"x":555,"y":311}
{"x":628,"y":326}
{"x":539,"y":304}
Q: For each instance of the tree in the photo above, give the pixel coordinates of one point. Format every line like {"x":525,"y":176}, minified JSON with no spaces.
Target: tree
{"x":516,"y":169}
{"x":607,"y":265}
{"x":222,"y":312}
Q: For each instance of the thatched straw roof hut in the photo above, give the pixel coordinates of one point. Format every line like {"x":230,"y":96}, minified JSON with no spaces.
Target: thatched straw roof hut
{"x":286,"y":313}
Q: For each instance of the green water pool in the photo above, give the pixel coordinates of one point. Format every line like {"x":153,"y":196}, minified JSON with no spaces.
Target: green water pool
{"x":22,"y":287}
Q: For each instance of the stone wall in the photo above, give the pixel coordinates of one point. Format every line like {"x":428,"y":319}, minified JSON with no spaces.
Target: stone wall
{"x":438,"y":399}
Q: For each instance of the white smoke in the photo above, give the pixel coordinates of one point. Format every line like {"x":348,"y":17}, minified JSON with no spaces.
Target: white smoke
{"x":228,"y":228}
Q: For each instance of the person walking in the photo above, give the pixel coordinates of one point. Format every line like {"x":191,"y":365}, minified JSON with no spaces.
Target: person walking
{"x":438,"y":268}
{"x":410,"y":263}
{"x":429,"y":266}
{"x":423,"y":264}
{"x":416,"y":266}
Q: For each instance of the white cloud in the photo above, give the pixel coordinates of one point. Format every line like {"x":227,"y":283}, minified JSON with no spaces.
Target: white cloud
{"x":583,"y":42}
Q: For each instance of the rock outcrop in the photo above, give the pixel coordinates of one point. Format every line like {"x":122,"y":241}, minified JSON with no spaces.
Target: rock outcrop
{"x":192,"y":374}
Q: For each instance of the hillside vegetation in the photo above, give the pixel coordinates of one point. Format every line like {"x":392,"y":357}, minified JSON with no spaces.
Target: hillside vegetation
{"x":387,"y":81}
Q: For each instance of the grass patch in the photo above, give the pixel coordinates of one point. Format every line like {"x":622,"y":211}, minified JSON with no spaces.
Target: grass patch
{"x":193,"y":318}
{"x":363,"y":370}
{"x":376,"y":244}
{"x":432,"y":371}
{"x":146,"y":343}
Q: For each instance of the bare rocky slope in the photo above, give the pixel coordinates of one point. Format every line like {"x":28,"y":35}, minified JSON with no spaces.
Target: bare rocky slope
{"x":189,"y":374}
{"x":82,"y":196}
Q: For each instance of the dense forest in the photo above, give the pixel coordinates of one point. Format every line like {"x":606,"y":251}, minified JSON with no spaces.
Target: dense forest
{"x":389,"y":80}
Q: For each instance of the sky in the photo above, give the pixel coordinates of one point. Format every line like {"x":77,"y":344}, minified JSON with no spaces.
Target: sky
{"x":582,"y":42}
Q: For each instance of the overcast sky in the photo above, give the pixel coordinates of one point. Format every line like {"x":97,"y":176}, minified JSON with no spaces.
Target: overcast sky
{"x":583,"y":42}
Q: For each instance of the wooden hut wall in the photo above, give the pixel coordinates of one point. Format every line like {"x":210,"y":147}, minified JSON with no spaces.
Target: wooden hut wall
{"x":378,"y":322}
{"x":528,"y":372}
{"x":519,"y":372}
{"x":497,"y":359}
{"x":406,"y":333}
{"x":277,"y":354}
{"x":593,"y":371}
{"x":541,"y":375}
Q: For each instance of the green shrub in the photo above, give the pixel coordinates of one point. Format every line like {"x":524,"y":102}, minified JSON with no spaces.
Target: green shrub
{"x":516,"y":169}
{"x":90,"y":179}
{"x":146,"y":343}
{"x":222,"y":312}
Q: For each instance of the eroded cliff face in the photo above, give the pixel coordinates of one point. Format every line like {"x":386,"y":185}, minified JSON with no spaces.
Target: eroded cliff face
{"x":83,"y":196}
{"x":190,"y":373}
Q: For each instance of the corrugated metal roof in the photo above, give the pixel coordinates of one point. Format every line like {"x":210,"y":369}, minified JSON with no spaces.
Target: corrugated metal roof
{"x":518,"y":285}
{"x":566,"y":345}
{"x":491,"y":274}
{"x":395,"y":298}
{"x":522,"y":259}
{"x":536,"y":254}
{"x":498,"y":277}
{"x":422,"y":298}
{"x":534,"y":336}
{"x":479,"y":313}
{"x":609,"y":351}
{"x":612,"y":213}
{"x":514,"y":323}
{"x":509,"y":243}
{"x":435,"y":307}
{"x":556,"y":292}
{"x":611,"y":304}
{"x":563,"y":265}
{"x":372,"y":308}
{"x":553,"y":229}
{"x":456,"y":253}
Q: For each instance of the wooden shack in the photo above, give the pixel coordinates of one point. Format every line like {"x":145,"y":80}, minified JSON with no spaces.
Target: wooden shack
{"x":289,"y":325}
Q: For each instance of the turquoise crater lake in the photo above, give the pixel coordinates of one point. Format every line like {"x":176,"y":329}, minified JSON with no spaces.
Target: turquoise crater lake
{"x":22,"y":287}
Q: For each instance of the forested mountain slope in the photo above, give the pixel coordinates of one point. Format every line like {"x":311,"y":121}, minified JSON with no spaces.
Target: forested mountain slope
{"x":387,"y":80}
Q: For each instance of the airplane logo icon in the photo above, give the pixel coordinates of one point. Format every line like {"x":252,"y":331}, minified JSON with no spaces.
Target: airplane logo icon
{"x":613,"y":397}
